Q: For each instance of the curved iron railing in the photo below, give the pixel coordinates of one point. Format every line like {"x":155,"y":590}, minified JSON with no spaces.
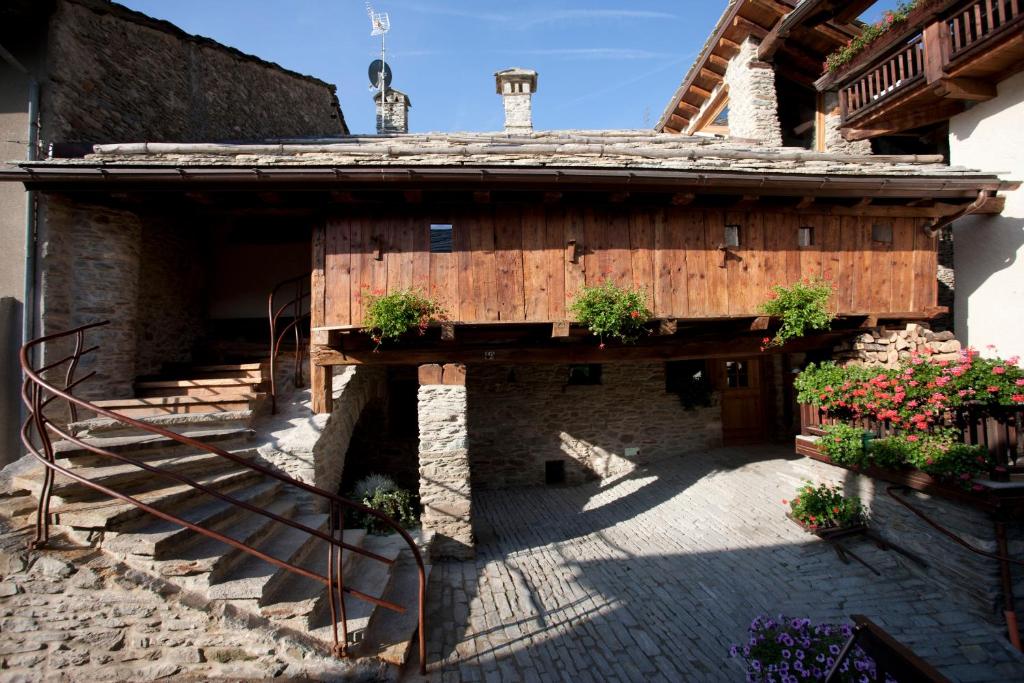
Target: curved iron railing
{"x":300,"y":311}
{"x":38,"y":393}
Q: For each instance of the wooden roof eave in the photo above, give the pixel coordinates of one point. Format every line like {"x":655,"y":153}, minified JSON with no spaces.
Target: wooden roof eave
{"x":179,"y":178}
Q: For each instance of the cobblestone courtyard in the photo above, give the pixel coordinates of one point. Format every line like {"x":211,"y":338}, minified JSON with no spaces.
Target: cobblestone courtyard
{"x":653,"y":576}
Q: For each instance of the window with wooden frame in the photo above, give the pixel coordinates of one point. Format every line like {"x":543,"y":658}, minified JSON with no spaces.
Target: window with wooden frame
{"x":805,"y":237}
{"x":731,"y":236}
{"x":881,"y":234}
{"x":440,"y":238}
{"x":717,"y":120}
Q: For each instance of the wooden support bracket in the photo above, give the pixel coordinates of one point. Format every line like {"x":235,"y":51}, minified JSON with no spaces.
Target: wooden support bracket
{"x":760,"y":323}
{"x":447,"y":331}
{"x":667,"y":327}
{"x":571,"y":252}
{"x":378,"y":247}
{"x":560,"y":329}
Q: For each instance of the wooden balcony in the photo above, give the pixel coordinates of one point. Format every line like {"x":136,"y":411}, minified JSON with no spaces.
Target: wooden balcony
{"x":958,"y":54}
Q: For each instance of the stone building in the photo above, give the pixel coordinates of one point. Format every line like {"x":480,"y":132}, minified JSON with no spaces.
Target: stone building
{"x":79,"y":72}
{"x":179,"y":237}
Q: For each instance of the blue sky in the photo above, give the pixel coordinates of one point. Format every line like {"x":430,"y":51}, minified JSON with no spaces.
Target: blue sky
{"x":602,"y":64}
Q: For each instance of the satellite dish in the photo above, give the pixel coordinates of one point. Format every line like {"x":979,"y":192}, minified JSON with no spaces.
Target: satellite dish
{"x":374,"y":72}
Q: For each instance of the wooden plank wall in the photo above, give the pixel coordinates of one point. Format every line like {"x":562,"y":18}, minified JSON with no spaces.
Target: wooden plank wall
{"x":518,"y":263}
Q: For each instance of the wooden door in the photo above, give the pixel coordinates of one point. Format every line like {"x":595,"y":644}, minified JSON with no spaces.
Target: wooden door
{"x":743,"y":402}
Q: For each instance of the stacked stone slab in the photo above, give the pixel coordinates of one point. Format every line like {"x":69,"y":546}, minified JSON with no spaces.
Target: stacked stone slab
{"x":445,"y":489}
{"x":885,"y":348}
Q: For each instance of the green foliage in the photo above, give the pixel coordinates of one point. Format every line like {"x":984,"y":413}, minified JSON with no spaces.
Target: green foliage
{"x":844,"y":444}
{"x":612,"y":311}
{"x":892,"y":452}
{"x":825,"y":507}
{"x":870,"y":33}
{"x":389,"y":316}
{"x":802,"y":308}
{"x":380,"y":493}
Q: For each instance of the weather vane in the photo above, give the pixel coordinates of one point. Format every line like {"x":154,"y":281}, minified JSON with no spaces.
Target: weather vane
{"x":380,"y":72}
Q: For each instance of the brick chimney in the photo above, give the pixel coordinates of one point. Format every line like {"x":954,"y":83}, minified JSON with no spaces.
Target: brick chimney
{"x":393,"y":112}
{"x":516,"y":87}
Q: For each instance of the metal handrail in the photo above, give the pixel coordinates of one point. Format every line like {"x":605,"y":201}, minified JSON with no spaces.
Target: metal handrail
{"x":299,"y":313}
{"x":37,"y":393}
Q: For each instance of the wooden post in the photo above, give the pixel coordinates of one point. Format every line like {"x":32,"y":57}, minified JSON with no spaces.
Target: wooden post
{"x":936,"y":51}
{"x":321,"y":380}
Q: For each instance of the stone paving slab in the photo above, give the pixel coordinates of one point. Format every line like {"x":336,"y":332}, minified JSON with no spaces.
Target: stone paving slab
{"x":652,"y":576}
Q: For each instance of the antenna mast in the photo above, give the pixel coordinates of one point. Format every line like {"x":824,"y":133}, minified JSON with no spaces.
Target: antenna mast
{"x":380,"y":24}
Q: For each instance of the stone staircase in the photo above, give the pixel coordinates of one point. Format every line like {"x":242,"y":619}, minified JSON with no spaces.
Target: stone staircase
{"x":196,"y":389}
{"x":214,"y":571}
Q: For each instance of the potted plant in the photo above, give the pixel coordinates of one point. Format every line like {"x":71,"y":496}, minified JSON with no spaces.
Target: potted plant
{"x":381,"y":493}
{"x":801,"y":308}
{"x":782,"y":648}
{"x":608,"y":310}
{"x":389,"y":316}
{"x":824,"y":508}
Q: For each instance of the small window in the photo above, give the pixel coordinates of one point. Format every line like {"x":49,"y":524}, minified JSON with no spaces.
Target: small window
{"x":584,"y":375}
{"x":737,"y":375}
{"x":806,"y":237}
{"x":554,"y":472}
{"x":723,"y":118}
{"x":440,"y":238}
{"x":732,"y":236}
{"x":881,"y":233}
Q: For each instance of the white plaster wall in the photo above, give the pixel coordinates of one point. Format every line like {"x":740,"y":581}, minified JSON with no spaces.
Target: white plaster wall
{"x":989,"y":250}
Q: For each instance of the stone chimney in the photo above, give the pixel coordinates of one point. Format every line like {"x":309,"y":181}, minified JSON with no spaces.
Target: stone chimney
{"x":393,"y":112}
{"x":516,"y":87}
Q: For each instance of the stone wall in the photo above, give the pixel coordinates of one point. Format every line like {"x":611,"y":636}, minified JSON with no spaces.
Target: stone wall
{"x":89,"y":271}
{"x":117,"y":76}
{"x":834,"y":141}
{"x":753,"y":102}
{"x":885,"y":348}
{"x":445,"y":489}
{"x":520,"y":417}
{"x":313,"y":447}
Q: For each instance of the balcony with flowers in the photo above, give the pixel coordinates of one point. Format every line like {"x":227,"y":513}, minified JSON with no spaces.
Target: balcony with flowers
{"x":922,"y":63}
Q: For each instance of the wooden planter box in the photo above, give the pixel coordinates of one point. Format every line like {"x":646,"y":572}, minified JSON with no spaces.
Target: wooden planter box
{"x":1003,"y":499}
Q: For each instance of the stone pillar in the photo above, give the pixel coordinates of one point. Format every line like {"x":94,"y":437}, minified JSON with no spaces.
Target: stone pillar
{"x":753,"y":103}
{"x":392,"y":112}
{"x":834,"y":141}
{"x":445,"y":490}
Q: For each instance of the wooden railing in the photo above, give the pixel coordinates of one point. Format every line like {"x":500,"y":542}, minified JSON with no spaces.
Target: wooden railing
{"x":980,"y":20}
{"x":927,"y":54}
{"x":895,"y":73}
{"x":1000,"y":430}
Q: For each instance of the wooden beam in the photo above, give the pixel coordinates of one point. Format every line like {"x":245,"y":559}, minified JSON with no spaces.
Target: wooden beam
{"x":551,"y":198}
{"x":970,"y":89}
{"x":718,"y":62}
{"x":805,"y":202}
{"x":746,"y":201}
{"x":710,"y":75}
{"x":687,"y":107}
{"x":701,"y":91}
{"x":321,"y":387}
{"x":749,"y":27}
{"x":679,"y":122}
{"x":447,"y":331}
{"x":726,"y":44}
{"x":413,"y":196}
{"x":668,"y":327}
{"x":683,"y":198}
{"x":760,"y":323}
{"x":482,"y":197}
{"x":560,"y":329}
{"x":618,"y":197}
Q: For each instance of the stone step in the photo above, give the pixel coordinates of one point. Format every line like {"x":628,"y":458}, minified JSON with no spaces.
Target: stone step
{"x":148,"y":445}
{"x":173,"y":405}
{"x":206,"y":392}
{"x":111,"y":513}
{"x":178,"y":422}
{"x":162,"y":540}
{"x":248,"y":578}
{"x":368,"y":576}
{"x":298,"y":597}
{"x":124,"y":477}
{"x":222,"y":371}
{"x":391,"y":635}
{"x":213,"y":558}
